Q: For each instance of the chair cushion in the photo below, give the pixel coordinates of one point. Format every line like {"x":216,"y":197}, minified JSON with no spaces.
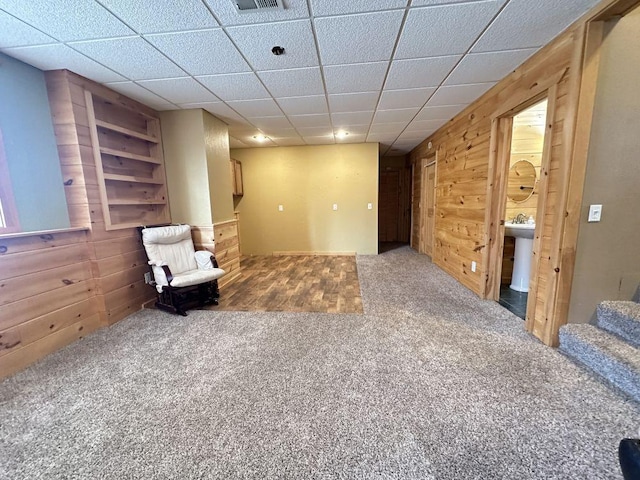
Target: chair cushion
{"x":171,"y":245}
{"x":195,"y":277}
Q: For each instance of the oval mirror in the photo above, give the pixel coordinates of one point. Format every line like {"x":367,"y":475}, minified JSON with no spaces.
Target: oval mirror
{"x":522,"y":180}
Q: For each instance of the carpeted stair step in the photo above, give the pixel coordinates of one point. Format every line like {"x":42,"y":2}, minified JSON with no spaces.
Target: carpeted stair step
{"x":621,"y":318}
{"x":605,"y":354}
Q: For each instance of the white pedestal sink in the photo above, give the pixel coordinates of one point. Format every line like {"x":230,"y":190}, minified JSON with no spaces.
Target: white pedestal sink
{"x":523,"y":232}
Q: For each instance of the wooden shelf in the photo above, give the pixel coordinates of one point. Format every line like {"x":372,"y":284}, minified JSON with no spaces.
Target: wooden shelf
{"x":126,"y":131}
{"x":132,"y":201}
{"x":131,"y":156}
{"x":132,"y":179}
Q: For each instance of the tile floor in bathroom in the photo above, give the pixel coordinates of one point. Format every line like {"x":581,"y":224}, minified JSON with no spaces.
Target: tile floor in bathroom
{"x":515,"y":302}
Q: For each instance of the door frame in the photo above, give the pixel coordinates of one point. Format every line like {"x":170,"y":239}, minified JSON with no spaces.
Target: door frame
{"x":425,"y":162}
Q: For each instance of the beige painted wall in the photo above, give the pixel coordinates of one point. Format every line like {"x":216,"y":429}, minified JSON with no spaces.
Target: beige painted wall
{"x":185,"y":162}
{"x":608,"y":264}
{"x":307,"y":181}
{"x":196,"y":153}
{"x":216,"y":142}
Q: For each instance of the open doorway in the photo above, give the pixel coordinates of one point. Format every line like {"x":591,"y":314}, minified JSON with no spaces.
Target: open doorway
{"x":394,"y":203}
{"x":525,"y":155}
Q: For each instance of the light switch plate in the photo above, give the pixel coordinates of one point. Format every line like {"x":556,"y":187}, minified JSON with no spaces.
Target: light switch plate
{"x":370,"y":206}
{"x":595,"y":212}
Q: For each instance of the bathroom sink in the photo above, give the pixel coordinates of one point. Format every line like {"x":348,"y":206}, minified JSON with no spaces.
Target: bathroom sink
{"x":519,"y":230}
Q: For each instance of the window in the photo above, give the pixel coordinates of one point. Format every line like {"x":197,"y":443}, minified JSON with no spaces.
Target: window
{"x":8,"y":214}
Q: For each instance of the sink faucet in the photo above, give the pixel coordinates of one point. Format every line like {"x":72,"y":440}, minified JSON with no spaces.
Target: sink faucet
{"x":520,"y":218}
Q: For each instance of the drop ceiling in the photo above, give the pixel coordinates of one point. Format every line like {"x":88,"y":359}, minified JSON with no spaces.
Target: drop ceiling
{"x":387,"y":71}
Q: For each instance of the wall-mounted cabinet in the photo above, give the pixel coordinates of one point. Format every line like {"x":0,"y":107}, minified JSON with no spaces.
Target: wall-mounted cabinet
{"x":236,"y":177}
{"x":128,"y":153}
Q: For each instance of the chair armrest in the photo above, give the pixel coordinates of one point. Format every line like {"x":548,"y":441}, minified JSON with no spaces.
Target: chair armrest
{"x":167,"y":273}
{"x":214,"y":262}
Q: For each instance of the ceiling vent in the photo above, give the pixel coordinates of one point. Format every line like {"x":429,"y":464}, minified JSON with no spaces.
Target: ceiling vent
{"x":249,"y":6}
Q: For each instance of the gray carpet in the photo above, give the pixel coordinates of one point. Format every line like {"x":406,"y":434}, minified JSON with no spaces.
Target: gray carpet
{"x":429,"y":382}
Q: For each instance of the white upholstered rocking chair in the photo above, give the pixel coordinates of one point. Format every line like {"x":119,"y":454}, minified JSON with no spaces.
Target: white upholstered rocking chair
{"x":182,"y":277}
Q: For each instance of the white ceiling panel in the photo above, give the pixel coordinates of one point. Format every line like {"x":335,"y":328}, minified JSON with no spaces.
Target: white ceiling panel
{"x":352,"y":129}
{"x":131,"y":57}
{"x":266,"y":107}
{"x":458,"y":94}
{"x":396,"y":115}
{"x":413,"y":136}
{"x":227,"y":14}
{"x":352,"y":118}
{"x":279,"y":132}
{"x":387,"y":128}
{"x":293,"y":83}
{"x":235,"y":143}
{"x":303,"y":105}
{"x":347,"y":39}
{"x":487,"y":67}
{"x":424,"y":125}
{"x":382,"y":137}
{"x":319,"y":120}
{"x":411,"y":98}
{"x":58,"y":56}
{"x":444,"y":113}
{"x":352,"y":138}
{"x":235,"y":86}
{"x":366,"y":76}
{"x":220,"y":110}
{"x":135,"y":91}
{"x":205,"y":52}
{"x":444,"y":30}
{"x":67,"y":20}
{"x":421,"y":3}
{"x":154,"y":16}
{"x":179,"y":90}
{"x":353,"y":102}
{"x":288,"y":141}
{"x":524,"y":24}
{"x":315,"y":131}
{"x":335,"y":7}
{"x":16,"y":33}
{"x":324,"y":140}
{"x":256,"y":41}
{"x":271,"y":124}
{"x":420,"y":72}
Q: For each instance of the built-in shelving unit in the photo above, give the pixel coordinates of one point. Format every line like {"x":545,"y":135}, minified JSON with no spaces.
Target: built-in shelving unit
{"x":128,"y":153}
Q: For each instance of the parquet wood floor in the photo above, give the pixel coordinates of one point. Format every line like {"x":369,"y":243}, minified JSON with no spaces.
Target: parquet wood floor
{"x":326,"y":284}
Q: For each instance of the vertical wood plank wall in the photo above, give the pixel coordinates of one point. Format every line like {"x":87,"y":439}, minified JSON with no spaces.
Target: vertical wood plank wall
{"x":57,"y":287}
{"x":463,"y":147}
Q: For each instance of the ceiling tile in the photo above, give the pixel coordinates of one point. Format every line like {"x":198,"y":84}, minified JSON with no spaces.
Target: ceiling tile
{"x":347,"y":39}
{"x":288,"y":141}
{"x":353,"y":102}
{"x":228,"y":15}
{"x":412,"y":136}
{"x":294,"y":82}
{"x":271,"y":123}
{"x":397,"y":115}
{"x":315,"y":131}
{"x":419,"y":3}
{"x":151,"y":16}
{"x":352,"y":129}
{"x":487,"y":67}
{"x":420,"y":72}
{"x":351,"y":138}
{"x":362,"y":77}
{"x":524,"y":24}
{"x":15,"y":33}
{"x":320,"y":120}
{"x":443,"y":113}
{"x":415,"y":97}
{"x":235,"y":86}
{"x":142,"y":95}
{"x":324,"y":140}
{"x":59,"y":56}
{"x":336,"y":7}
{"x":424,"y":125}
{"x":458,"y":94}
{"x":382,"y":137}
{"x":387,"y":128}
{"x":352,"y":118}
{"x":296,"y":37}
{"x":444,"y":30}
{"x":205,"y":52}
{"x":266,"y":107}
{"x":235,"y":143}
{"x":303,"y":105}
{"x":68,"y":20}
{"x":219,"y":110}
{"x":278,"y":132}
{"x":179,"y":90}
{"x":141,"y":61}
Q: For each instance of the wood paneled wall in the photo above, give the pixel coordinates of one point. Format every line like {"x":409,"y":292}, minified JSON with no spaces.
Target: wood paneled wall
{"x":221,"y":239}
{"x":59,"y":286}
{"x":465,"y":224}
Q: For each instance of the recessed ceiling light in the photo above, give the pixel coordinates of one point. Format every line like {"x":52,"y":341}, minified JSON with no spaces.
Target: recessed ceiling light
{"x":342,"y":134}
{"x":260,"y":138}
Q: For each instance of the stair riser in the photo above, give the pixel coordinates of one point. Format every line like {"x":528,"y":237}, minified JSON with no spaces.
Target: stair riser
{"x":616,"y":373}
{"x":625,"y":327}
